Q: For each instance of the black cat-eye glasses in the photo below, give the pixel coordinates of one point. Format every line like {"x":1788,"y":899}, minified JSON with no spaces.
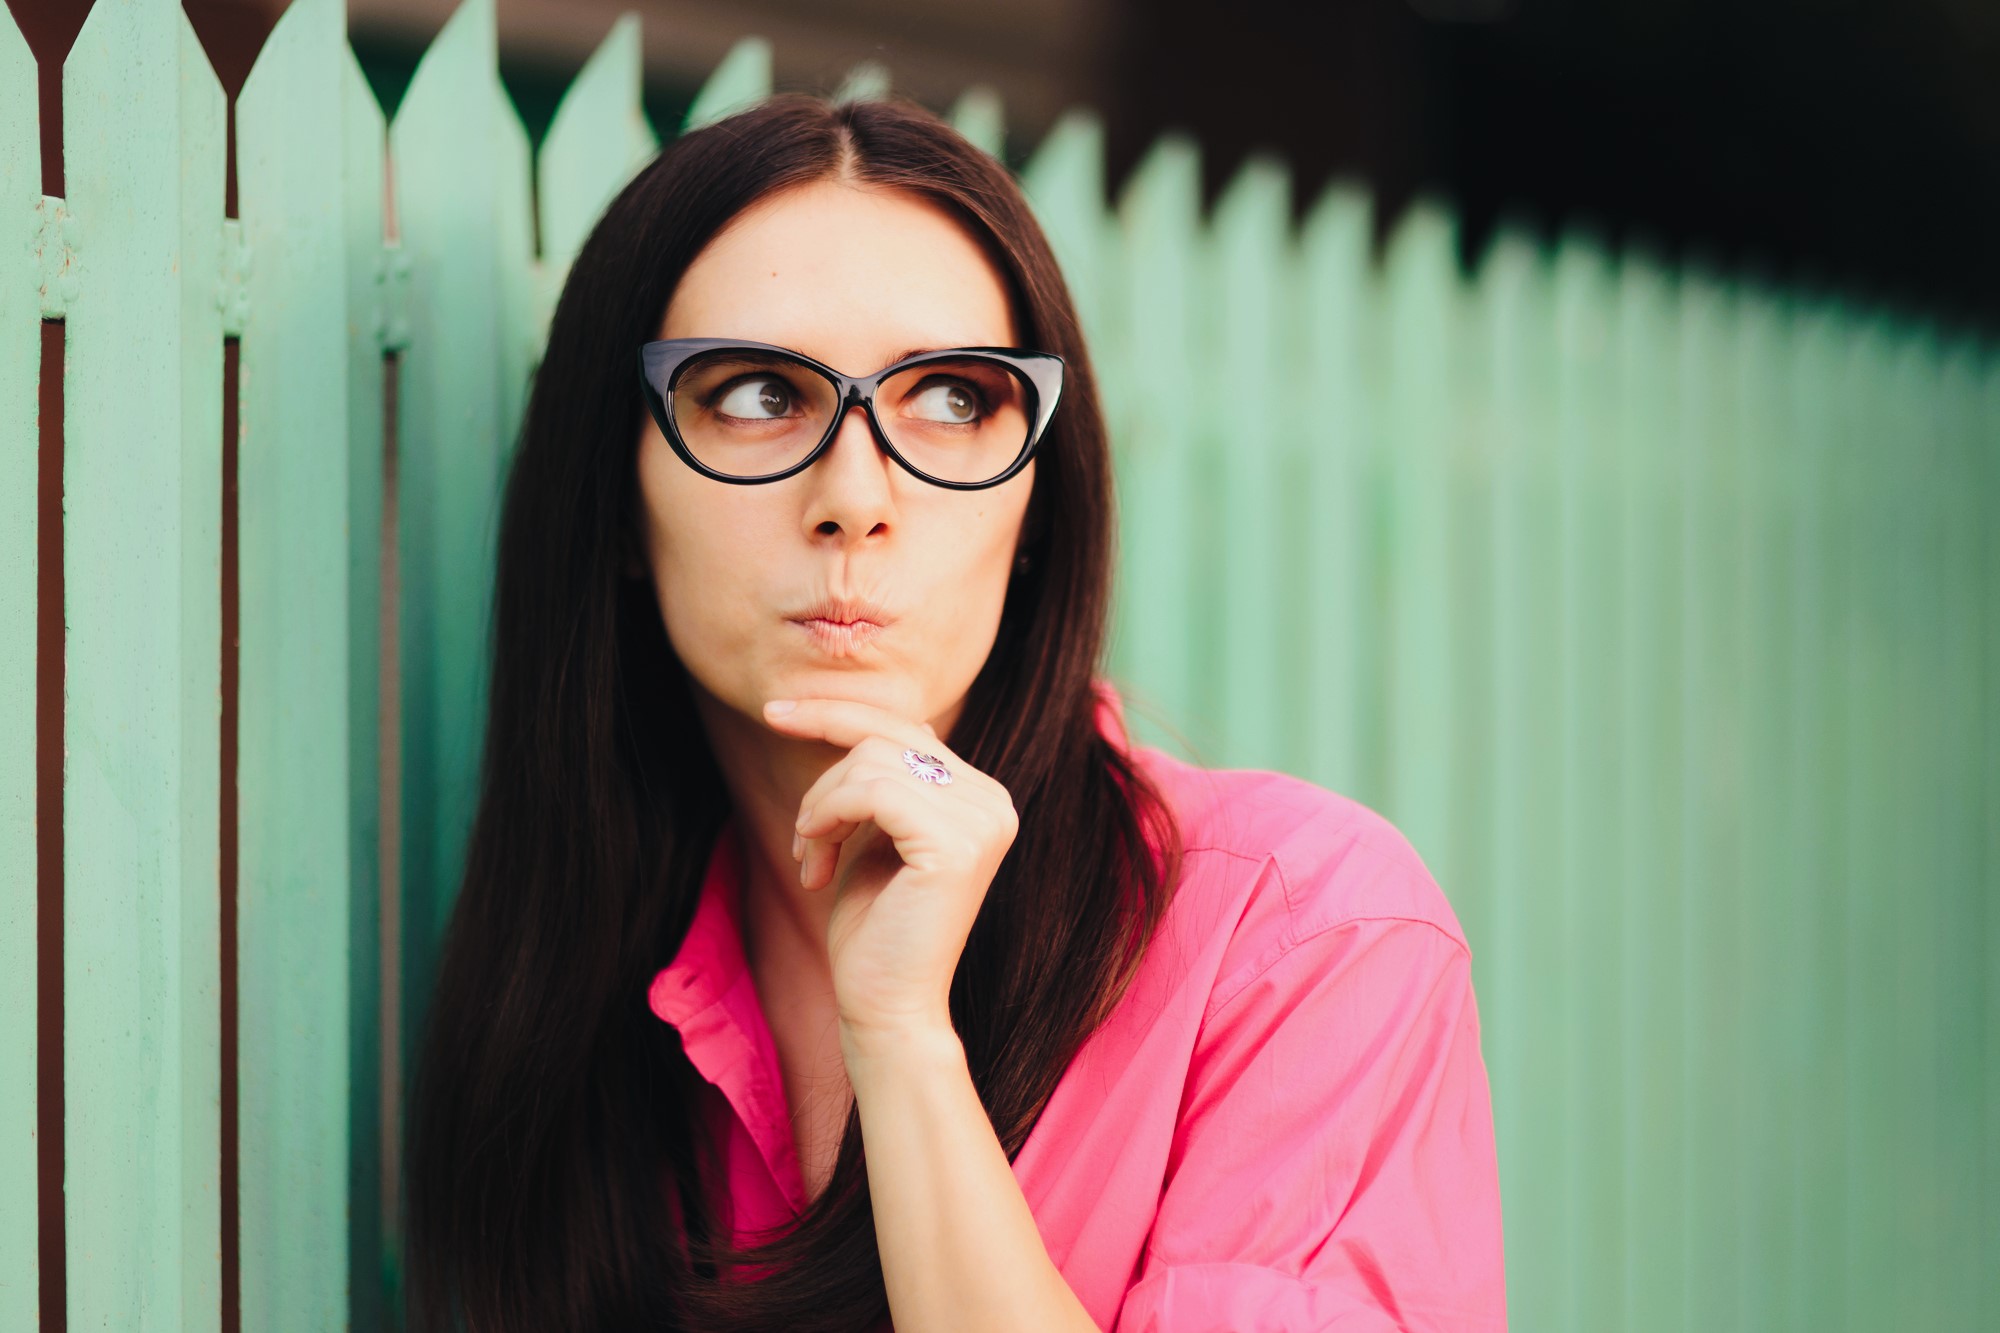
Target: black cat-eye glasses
{"x":745,"y":412}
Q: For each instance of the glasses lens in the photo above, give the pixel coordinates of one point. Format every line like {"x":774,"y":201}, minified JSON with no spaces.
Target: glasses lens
{"x":957,"y":419}
{"x":746,"y":413}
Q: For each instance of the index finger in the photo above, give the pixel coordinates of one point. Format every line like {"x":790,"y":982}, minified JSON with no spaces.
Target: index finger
{"x":848,"y":722}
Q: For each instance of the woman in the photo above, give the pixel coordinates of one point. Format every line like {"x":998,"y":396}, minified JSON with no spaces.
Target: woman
{"x":826,"y":953}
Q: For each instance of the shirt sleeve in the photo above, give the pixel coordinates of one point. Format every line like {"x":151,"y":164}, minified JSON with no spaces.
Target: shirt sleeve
{"x":1333,"y":1166}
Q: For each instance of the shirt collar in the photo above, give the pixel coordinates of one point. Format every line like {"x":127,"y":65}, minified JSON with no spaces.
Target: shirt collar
{"x":709,"y":996}
{"x":710,"y":960}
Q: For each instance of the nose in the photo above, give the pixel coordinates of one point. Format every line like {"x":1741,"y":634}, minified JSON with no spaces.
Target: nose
{"x":851,"y":486}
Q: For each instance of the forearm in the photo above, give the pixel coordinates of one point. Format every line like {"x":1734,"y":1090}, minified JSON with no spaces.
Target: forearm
{"x":959,"y":1246}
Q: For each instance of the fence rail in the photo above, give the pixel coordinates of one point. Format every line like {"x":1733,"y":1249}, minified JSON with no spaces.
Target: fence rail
{"x":1657,"y":602}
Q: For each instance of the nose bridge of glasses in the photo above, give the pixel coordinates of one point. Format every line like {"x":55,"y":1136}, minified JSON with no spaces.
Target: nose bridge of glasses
{"x":856,"y":396}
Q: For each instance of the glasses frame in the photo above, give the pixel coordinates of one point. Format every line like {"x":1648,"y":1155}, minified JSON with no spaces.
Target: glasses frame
{"x":661,"y":362}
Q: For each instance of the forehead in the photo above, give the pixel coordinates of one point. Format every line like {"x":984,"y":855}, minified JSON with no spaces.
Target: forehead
{"x":852,"y":275}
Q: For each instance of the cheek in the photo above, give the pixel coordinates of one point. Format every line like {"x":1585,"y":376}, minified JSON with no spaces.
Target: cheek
{"x":703,"y":566}
{"x":973,"y":563}
{"x":702,"y":553}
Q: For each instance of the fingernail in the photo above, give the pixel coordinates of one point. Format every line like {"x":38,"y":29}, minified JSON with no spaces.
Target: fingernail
{"x":780,"y":707}
{"x":798,"y":846}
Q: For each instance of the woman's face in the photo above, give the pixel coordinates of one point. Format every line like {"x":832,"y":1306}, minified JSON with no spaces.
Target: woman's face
{"x":855,"y":277}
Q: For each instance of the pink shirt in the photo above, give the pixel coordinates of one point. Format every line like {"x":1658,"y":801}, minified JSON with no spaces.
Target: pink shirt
{"x":1284,"y":1126}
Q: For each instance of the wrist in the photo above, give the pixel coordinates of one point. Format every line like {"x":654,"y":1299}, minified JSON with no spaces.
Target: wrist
{"x":920,"y":1041}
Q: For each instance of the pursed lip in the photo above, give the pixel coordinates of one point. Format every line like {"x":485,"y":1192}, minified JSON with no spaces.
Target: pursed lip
{"x":843,"y":611}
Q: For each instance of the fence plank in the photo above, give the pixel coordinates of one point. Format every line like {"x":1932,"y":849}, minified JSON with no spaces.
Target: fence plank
{"x":459,"y":162}
{"x":1989,"y":783}
{"x":1064,"y":182}
{"x":1422,"y":315}
{"x":20,"y":382}
{"x":1916,"y":623}
{"x":596,"y":143}
{"x":1960,"y":908}
{"x":1711,"y":783}
{"x":1772,"y":921}
{"x":1339,"y":297}
{"x":1249,"y":427}
{"x":143,"y":144}
{"x":309,"y":481}
{"x":1468,"y":455}
{"x":1871,"y":926}
{"x":1844,"y":563}
{"x":1806,"y":1008}
{"x":1652,"y":948}
{"x":1589,"y":665}
{"x":1517,"y":1006}
{"x":1163,"y":541}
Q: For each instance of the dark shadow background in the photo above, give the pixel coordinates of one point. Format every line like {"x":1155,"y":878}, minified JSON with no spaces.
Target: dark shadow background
{"x":1858,"y":139}
{"x":1851,"y":141}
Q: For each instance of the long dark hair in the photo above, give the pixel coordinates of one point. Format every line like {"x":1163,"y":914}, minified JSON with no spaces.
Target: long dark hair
{"x":553,"y":1114}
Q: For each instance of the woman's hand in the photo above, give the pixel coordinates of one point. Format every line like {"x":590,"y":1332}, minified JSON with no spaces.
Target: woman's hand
{"x":910,"y":861}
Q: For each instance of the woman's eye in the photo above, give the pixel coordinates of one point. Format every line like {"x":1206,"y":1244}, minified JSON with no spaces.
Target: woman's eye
{"x":951,"y":401}
{"x":756,"y":400}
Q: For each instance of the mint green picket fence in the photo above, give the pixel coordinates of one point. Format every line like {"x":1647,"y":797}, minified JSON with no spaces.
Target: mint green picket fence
{"x":1658,"y":603}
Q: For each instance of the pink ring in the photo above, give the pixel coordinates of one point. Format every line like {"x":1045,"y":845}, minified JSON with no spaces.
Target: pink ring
{"x":927,"y":767}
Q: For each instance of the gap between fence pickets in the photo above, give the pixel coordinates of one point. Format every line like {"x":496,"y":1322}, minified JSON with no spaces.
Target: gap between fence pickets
{"x":56,"y":260}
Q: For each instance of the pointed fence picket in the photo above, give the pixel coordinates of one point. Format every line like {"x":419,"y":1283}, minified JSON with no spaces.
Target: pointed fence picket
{"x":597,"y":141}
{"x":142,"y":531}
{"x":742,"y":79}
{"x":309,"y":546}
{"x":1422,"y":319}
{"x":1164,"y":530}
{"x":1764,"y":618}
{"x":1653,"y":951}
{"x":1812,"y":874}
{"x":1512,"y":303}
{"x":459,"y":158}
{"x":1251,"y":419}
{"x":1337,"y":305}
{"x":1656,"y":603}
{"x":1518,"y":963}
